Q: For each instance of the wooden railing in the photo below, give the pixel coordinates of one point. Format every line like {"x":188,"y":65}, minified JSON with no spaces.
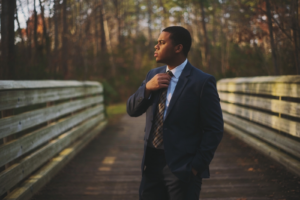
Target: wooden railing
{"x":43,"y":125}
{"x":265,"y":113}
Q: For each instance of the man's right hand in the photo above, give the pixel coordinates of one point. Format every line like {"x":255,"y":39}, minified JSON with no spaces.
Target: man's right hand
{"x":159,"y":81}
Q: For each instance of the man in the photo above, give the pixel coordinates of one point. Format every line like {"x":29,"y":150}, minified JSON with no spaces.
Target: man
{"x":184,"y":123}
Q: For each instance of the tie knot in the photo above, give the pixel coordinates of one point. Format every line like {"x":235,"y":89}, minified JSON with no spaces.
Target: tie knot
{"x":170,"y":73}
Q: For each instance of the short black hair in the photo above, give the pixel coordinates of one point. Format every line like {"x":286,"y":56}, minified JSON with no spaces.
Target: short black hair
{"x":180,"y":35}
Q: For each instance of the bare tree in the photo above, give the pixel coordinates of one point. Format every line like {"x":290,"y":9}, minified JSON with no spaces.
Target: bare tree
{"x":206,"y":40}
{"x":19,"y":29}
{"x":137,"y":17}
{"x":165,"y":14}
{"x":7,"y":68}
{"x":56,"y":18}
{"x":117,"y":5}
{"x":65,"y":40}
{"x":102,"y":30}
{"x":295,"y":28}
{"x":45,"y":34}
{"x":274,"y":56}
{"x":149,"y":5}
{"x":35,"y":39}
{"x":96,"y":33}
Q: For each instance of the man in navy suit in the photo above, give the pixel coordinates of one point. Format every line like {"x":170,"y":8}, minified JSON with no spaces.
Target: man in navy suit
{"x":184,"y":122}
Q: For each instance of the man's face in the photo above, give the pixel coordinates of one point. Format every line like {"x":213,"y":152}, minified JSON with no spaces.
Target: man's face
{"x":164,"y":49}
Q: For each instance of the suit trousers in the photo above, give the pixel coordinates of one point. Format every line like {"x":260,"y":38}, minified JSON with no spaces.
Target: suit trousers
{"x":159,"y":183}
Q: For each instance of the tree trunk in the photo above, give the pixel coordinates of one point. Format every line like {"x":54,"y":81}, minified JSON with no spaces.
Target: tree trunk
{"x":108,"y":42}
{"x":295,"y":27}
{"x":56,"y":15}
{"x":28,"y":34}
{"x":118,"y":18}
{"x":7,"y":69}
{"x":96,"y":43}
{"x":137,"y":13}
{"x":102,"y":31}
{"x":35,"y":27}
{"x":274,"y":56}
{"x":206,"y":40}
{"x":95,"y":19}
{"x":214,"y":24}
{"x":17,"y":17}
{"x":151,"y":46}
{"x":137,"y":50}
{"x":165,"y":14}
{"x":19,"y":29}
{"x":45,"y":34}
{"x":65,"y":40}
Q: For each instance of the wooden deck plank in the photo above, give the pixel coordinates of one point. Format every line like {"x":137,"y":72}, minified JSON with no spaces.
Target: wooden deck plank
{"x":238,"y":172}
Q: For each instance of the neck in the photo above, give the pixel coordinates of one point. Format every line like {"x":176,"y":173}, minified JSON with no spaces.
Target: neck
{"x":176,"y":62}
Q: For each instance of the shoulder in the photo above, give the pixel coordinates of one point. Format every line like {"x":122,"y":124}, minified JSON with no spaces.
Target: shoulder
{"x":156,"y":70}
{"x":200,"y":76}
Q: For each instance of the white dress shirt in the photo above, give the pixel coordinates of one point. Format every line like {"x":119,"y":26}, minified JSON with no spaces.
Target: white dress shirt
{"x":174,"y":80}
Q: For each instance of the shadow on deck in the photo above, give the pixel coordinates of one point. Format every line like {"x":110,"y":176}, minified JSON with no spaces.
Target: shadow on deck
{"x":109,"y":168}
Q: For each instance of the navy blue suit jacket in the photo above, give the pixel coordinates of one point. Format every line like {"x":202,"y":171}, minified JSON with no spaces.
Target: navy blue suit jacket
{"x":193,"y":126}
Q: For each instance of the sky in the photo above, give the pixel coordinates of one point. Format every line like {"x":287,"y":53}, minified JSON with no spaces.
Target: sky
{"x":25,"y":9}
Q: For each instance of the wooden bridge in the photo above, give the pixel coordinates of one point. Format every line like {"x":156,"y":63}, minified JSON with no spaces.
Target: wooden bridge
{"x":45,"y":125}
{"x":109,"y":168}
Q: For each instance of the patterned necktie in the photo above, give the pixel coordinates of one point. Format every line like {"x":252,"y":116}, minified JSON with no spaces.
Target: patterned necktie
{"x":159,"y":118}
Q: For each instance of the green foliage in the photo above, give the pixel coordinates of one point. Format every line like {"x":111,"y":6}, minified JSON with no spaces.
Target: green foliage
{"x":250,"y":60}
{"x":116,"y":109}
{"x":108,"y":91}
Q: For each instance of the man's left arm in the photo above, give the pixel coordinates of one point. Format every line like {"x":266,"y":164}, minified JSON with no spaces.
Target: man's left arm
{"x":212,"y":125}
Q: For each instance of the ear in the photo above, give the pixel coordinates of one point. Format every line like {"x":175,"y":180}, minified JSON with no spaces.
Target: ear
{"x":178,"y":48}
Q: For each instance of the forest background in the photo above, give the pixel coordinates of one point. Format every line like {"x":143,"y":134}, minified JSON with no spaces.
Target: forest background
{"x":112,"y":41}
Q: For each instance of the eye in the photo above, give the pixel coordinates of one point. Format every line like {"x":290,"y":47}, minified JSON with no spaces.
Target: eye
{"x":160,"y":42}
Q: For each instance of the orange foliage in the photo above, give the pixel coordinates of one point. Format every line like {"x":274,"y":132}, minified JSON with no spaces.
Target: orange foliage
{"x":30,"y":26}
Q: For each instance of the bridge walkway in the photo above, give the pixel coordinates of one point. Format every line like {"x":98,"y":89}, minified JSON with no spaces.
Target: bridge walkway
{"x":109,"y":169}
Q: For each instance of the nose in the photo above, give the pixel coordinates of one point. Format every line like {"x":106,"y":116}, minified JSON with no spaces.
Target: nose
{"x":156,"y":46}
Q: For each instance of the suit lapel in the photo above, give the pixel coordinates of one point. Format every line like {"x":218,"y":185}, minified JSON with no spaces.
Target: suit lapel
{"x":183,"y":79}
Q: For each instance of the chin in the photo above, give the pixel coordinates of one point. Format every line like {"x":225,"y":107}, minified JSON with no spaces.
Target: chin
{"x":158,"y":60}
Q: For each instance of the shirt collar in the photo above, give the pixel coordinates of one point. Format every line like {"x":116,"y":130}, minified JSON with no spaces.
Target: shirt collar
{"x":177,"y":70}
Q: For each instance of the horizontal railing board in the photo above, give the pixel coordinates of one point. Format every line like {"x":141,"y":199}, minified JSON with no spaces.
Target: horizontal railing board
{"x":281,"y":157}
{"x":42,"y":176}
{"x":20,"y":98}
{"x":14,"y":174}
{"x":263,"y":79}
{"x":288,"y":126}
{"x":285,"y":143}
{"x":17,"y":123}
{"x":16,"y":148}
{"x":278,"y":89}
{"x":278,"y":106}
{"x":9,"y":85}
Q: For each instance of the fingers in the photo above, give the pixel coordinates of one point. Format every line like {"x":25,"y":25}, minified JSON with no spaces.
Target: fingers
{"x":163,"y":80}
{"x":164,"y":75}
{"x":159,"y":81}
{"x":164,"y":85}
